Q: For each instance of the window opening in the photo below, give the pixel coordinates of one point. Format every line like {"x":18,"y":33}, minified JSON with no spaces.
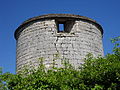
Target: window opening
{"x":61,"y":28}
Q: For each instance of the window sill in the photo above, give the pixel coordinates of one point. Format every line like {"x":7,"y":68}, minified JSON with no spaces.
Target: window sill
{"x":64,"y":34}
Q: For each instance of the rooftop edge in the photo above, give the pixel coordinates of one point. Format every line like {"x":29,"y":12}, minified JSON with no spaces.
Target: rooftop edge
{"x":50,"y":16}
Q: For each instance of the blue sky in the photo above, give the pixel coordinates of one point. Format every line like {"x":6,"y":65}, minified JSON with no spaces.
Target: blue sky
{"x":14,"y":12}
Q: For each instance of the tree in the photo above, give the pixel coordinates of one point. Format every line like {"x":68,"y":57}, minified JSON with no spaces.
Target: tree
{"x":102,"y":73}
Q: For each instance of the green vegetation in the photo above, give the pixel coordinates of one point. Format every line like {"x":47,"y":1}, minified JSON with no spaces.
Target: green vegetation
{"x":102,"y":73}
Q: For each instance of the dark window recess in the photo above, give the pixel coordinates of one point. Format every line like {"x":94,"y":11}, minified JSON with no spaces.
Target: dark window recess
{"x":61,"y":27}
{"x":64,"y":25}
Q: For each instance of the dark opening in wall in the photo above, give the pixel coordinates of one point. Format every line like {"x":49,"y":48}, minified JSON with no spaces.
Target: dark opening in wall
{"x":64,"y":26}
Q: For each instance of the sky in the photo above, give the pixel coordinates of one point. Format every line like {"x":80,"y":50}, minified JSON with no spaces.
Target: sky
{"x":14,"y":12}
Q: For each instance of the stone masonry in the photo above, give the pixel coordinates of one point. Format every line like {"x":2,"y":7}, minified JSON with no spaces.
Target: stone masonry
{"x":40,"y":37}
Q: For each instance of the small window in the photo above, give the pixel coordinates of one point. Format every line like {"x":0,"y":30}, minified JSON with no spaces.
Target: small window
{"x":64,"y":26}
{"x":61,"y":28}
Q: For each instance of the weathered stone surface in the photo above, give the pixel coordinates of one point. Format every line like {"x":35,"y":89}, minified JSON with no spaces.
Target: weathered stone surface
{"x":40,"y":38}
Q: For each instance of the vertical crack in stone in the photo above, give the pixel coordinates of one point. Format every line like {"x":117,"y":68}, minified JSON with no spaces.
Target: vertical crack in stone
{"x":63,"y":51}
{"x":56,"y":45}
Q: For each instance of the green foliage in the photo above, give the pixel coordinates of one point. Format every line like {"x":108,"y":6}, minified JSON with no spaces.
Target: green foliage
{"x":102,"y":73}
{"x":116,"y":42}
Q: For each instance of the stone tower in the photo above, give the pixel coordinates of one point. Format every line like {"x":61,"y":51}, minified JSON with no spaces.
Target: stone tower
{"x":70,"y":36}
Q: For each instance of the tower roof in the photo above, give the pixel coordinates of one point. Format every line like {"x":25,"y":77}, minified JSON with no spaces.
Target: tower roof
{"x":54,"y":16}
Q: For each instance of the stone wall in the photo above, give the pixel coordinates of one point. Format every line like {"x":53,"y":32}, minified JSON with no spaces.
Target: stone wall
{"x":41,"y":39}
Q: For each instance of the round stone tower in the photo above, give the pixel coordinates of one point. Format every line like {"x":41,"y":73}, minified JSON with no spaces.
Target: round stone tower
{"x":70,"y":36}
